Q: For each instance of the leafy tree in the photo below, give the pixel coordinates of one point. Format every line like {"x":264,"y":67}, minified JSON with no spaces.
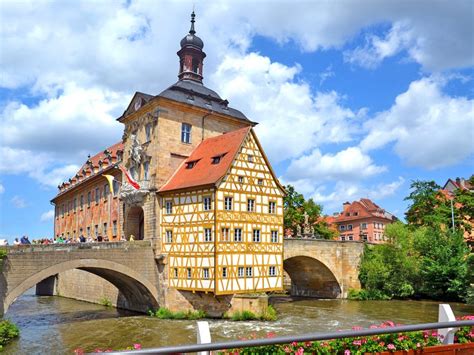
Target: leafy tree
{"x":429,"y":207}
{"x":295,"y":207}
{"x":464,"y":208}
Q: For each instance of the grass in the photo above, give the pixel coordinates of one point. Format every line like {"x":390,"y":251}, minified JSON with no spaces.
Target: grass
{"x":104,"y":301}
{"x":8,"y":331}
{"x":165,"y":313}
{"x":269,"y":314}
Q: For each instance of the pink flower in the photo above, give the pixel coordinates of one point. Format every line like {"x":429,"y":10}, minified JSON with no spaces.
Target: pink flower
{"x":357,"y":342}
{"x":308,"y":344}
{"x":418,"y":345}
{"x":373,"y":326}
{"x":271,"y":335}
{"x":300,"y":351}
{"x":347,"y":352}
{"x":356,"y":328}
{"x":137,"y":346}
{"x":391,"y":347}
{"x":390,"y":323}
{"x":382,"y":343}
{"x":294,"y":343}
{"x":286,"y":349}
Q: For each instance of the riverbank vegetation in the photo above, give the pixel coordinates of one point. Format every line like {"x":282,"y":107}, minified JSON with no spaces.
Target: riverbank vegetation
{"x":8,"y":331}
{"x":3,"y":254}
{"x":165,"y":313}
{"x":269,"y":314}
{"x":426,"y":258}
{"x":360,"y":345}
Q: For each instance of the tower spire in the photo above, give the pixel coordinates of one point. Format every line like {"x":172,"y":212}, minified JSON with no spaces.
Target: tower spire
{"x":193,"y":15}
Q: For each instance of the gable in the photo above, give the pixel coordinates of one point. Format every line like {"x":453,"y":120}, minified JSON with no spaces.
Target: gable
{"x":137,"y":102}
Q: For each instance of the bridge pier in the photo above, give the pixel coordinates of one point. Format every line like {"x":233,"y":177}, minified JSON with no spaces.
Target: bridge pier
{"x":47,"y":287}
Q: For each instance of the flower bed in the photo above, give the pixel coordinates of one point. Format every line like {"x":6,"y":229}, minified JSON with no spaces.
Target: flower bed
{"x":396,"y":343}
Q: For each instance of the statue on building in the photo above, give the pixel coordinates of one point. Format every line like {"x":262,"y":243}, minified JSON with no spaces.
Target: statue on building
{"x":307,"y":230}
{"x":298,"y":231}
{"x":135,"y":150}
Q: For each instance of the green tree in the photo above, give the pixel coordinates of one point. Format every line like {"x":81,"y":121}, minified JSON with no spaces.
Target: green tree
{"x":429,"y":207}
{"x":464,"y":208}
{"x":295,"y":207}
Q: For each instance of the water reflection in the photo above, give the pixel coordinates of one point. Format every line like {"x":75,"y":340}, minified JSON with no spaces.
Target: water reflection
{"x":55,"y":325}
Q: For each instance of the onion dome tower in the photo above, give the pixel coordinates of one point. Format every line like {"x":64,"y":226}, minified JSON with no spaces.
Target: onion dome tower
{"x":191,"y":56}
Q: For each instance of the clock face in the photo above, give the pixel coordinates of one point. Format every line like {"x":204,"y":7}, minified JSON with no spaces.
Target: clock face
{"x":137,"y":105}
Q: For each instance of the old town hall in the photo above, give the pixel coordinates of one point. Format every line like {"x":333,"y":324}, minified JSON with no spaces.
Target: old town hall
{"x":206,"y":195}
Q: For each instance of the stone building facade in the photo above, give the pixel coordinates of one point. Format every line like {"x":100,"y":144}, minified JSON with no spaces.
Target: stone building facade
{"x":161,"y":134}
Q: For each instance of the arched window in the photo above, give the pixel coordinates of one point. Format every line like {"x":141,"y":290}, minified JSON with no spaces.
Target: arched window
{"x":195,"y":65}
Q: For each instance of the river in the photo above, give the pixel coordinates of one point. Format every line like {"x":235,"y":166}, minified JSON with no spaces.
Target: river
{"x":55,"y":325}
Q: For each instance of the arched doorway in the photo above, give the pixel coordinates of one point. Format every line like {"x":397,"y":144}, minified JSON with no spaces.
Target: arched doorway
{"x":311,"y":278}
{"x":135,"y":223}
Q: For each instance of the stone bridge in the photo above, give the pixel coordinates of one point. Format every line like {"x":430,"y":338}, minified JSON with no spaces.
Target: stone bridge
{"x":321,"y":268}
{"x":130,"y":267}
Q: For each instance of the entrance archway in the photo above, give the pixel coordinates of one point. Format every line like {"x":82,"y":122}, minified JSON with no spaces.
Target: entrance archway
{"x":311,"y":278}
{"x":135,"y":223}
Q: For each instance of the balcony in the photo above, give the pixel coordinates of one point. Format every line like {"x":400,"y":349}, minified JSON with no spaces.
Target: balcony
{"x":133,"y":196}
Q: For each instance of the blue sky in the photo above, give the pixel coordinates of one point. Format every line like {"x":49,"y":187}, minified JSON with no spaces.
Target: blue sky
{"x":354,"y":98}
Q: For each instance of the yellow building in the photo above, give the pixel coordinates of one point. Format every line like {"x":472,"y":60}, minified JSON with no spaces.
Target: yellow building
{"x":222,"y":218}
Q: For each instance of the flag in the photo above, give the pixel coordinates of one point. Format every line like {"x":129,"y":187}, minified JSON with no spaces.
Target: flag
{"x":130,"y":179}
{"x":110,"y":179}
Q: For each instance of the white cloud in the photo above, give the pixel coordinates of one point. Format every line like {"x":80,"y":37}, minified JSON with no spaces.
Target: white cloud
{"x":428,"y":128}
{"x":347,"y":165}
{"x":18,"y":202}
{"x":47,"y":216}
{"x":2,"y":189}
{"x":270,"y":94}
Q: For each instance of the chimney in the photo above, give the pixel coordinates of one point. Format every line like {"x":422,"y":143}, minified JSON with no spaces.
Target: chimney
{"x":345,"y":206}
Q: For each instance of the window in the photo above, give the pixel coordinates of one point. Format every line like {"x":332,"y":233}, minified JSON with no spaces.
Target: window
{"x":256,"y":235}
{"x":260,"y":182}
{"x":104,"y":230}
{"x":350,"y":237}
{"x":250,"y":158}
{"x":88,"y":231}
{"x":349,"y":227}
{"x":250,"y":205}
{"x":240,"y":271}
{"x":356,"y":213}
{"x":191,"y":164}
{"x":272,"y":271}
{"x":217,"y":159}
{"x":146,"y":166}
{"x":228,"y":203}
{"x":96,"y":230}
{"x":207,"y":203}
{"x":363,"y":226}
{"x":343,"y":237}
{"x":205,"y":273}
{"x":241,"y":179}
{"x":272,"y":207}
{"x":364,"y":237}
{"x":237,"y":235}
{"x":169,"y":207}
{"x":115,"y":185}
{"x":97,"y":195}
{"x":274,"y":236}
{"x":186,"y":133}
{"x":225,"y":235}
{"x":248,"y":271}
{"x":175,"y":272}
{"x":106,"y":191}
{"x":114,"y":226}
{"x":169,"y":236}
{"x":82,"y":201}
{"x":74,"y":203}
{"x":224,"y":272}
{"x":207,"y":234}
{"x":342,"y":228}
{"x":195,"y":64}
{"x":148,"y":132}
{"x":188,"y":271}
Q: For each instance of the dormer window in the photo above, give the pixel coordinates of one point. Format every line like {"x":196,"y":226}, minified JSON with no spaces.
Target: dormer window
{"x":217,"y":159}
{"x":191,"y":164}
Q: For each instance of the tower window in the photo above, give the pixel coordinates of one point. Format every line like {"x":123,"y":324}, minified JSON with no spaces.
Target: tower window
{"x":196,"y":66}
{"x":186,"y":133}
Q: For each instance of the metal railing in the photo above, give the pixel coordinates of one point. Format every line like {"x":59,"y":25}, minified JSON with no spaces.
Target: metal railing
{"x":288,"y":339}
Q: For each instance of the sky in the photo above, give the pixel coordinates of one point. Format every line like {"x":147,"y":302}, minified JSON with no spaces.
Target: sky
{"x":353,"y":98}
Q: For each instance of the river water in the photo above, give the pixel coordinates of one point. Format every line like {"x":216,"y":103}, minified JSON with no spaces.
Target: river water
{"x":55,"y":325}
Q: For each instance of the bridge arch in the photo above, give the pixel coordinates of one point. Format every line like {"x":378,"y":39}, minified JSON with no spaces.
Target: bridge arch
{"x":139,"y":293}
{"x":310,"y":277}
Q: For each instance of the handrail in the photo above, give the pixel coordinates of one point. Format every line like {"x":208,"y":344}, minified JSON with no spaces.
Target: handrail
{"x":235,"y":344}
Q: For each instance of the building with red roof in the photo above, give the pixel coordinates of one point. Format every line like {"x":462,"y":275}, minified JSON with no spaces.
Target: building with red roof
{"x":362,"y":220}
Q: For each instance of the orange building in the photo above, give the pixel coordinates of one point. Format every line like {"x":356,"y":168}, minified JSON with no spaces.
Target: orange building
{"x":85,"y":205}
{"x":362,"y":220}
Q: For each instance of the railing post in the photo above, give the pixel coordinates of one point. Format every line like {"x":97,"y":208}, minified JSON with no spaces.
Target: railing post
{"x":203,"y":335}
{"x":445,"y":314}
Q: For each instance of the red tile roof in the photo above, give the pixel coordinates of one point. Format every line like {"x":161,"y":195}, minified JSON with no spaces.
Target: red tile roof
{"x":362,"y":209}
{"x":204,"y":172}
{"x":102,"y":156}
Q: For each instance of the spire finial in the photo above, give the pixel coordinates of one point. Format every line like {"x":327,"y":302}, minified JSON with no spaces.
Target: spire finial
{"x":191,"y":31}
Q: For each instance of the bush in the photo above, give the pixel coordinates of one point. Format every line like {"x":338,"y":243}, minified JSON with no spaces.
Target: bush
{"x":104,"y":301}
{"x":8,"y":331}
{"x":270,"y":314}
{"x":165,"y":313}
{"x":365,"y":295}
